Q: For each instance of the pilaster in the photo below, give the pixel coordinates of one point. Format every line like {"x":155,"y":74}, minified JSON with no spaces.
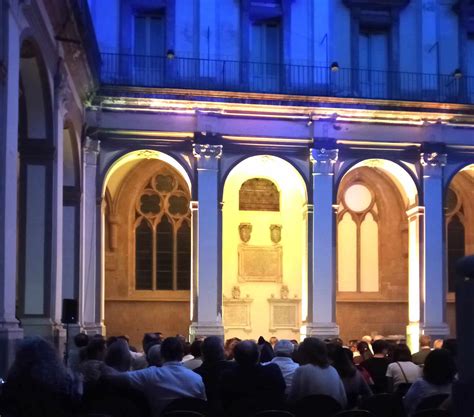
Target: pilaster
{"x":322,"y":288}
{"x":208,"y":319}
{"x":433,"y":288}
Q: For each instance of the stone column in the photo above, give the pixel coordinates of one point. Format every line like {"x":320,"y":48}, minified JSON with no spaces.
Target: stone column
{"x":90,"y":297}
{"x":209,"y":285}
{"x":433,"y":290}
{"x":322,"y":286}
{"x":415,"y":218}
{"x":61,"y":92}
{"x":10,"y":332}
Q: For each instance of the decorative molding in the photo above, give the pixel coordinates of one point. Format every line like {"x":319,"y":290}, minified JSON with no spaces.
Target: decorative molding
{"x":61,"y":86}
{"x":323,"y":159}
{"x":92,"y":145}
{"x":147,"y":154}
{"x":275,"y":233}
{"x":245,"y":232}
{"x":433,"y":159}
{"x":207,"y":151}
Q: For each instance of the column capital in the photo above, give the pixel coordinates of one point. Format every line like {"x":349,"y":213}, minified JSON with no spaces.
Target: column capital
{"x":433,"y":159}
{"x":323,"y":159}
{"x":207,"y":155}
{"x":91,"y":149}
{"x":61,"y":86}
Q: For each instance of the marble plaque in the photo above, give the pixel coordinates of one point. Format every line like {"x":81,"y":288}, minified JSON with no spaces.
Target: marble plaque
{"x":237,"y":313}
{"x":260,"y":263}
{"x":285,"y":314}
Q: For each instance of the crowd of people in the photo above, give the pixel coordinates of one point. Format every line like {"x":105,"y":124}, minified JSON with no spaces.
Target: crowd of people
{"x":238,"y":378}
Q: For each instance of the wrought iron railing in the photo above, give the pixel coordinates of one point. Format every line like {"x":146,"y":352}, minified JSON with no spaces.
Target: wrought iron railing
{"x":203,"y":74}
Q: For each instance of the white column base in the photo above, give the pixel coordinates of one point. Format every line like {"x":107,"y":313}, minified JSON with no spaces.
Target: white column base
{"x":10,"y":335}
{"x":436,"y":331}
{"x":321,"y":330}
{"x":94,"y":328}
{"x":204,"y":329}
{"x":413,"y":336}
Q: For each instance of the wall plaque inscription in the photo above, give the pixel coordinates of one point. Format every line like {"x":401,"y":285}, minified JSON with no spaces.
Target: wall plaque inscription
{"x":285,"y":314}
{"x":260,"y":263}
{"x":237,"y":313}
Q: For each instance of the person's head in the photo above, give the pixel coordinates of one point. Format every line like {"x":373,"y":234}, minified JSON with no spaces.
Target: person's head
{"x":246,"y":353}
{"x":124,"y":337}
{"x":380,"y":347}
{"x":96,"y":349}
{"x":212,"y":349}
{"x":367,"y":339}
{"x":81,"y":340}
{"x":273,"y":340}
{"x":118,"y":356}
{"x":439,"y":368}
{"x":337,"y":341}
{"x":438,"y":344}
{"x":153,"y":356}
{"x":230,"y":346}
{"x":186,"y":347}
{"x":172,"y":349}
{"x":284,"y":348}
{"x":149,"y":339}
{"x":36,"y":361}
{"x":401,"y":353}
{"x":195,"y":348}
{"x":313,"y":351}
{"x":342,"y":363}
{"x":451,"y":345}
{"x":425,"y":340}
{"x":266,"y":352}
{"x":362,"y":347}
{"x":110,"y":340}
{"x":353,"y":345}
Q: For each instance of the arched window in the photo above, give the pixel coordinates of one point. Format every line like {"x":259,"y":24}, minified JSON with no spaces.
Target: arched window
{"x":455,"y":235}
{"x":358,"y":241}
{"x":163,"y":234}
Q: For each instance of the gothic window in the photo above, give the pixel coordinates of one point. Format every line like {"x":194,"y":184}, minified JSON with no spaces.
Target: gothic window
{"x":259,"y":194}
{"x":357,"y":241}
{"x":163,"y":234}
{"x":455,"y":234}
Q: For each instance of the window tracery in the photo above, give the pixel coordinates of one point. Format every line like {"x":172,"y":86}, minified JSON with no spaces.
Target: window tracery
{"x":357,"y":229}
{"x":163,"y":234}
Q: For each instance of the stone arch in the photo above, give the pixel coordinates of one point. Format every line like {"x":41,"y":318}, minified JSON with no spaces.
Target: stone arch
{"x":124,"y":300}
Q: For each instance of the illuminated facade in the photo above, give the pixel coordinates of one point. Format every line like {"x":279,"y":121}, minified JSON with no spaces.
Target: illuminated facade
{"x":244,"y":168}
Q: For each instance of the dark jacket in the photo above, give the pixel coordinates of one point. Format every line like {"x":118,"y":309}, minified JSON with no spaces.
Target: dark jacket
{"x":246,"y":390}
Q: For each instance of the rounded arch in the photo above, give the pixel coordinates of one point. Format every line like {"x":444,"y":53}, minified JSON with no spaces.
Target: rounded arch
{"x":399,"y":175}
{"x":270,"y":167}
{"x":129,"y":160}
{"x":282,"y":158}
{"x":36,"y":119}
{"x":467,"y":167}
{"x":71,"y":156}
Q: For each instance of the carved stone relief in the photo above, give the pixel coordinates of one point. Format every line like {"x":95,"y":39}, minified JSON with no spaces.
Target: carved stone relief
{"x":237,"y":311}
{"x":259,"y":194}
{"x":275,"y":233}
{"x":285,"y":313}
{"x":260,"y":263}
{"x":245,"y":232}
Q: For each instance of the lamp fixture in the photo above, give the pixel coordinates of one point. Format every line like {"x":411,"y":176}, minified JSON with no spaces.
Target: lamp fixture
{"x":334,"y":67}
{"x":457,"y":73}
{"x":170,"y":54}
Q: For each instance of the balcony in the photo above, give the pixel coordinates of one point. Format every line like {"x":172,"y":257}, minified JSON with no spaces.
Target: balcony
{"x":253,"y":77}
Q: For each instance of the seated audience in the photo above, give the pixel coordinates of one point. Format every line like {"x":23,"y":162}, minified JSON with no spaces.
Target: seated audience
{"x":438,"y":375}
{"x":419,"y":357}
{"x":81,"y":340}
{"x":377,"y":366}
{"x":438,"y":344}
{"x":364,"y":352}
{"x":118,"y":356}
{"x":354,"y":383}
{"x":266,"y":350}
{"x":195,"y":351}
{"x":92,"y":366}
{"x":368,"y":339}
{"x":315,"y":375}
{"x":213,"y":366}
{"x":165,"y":384}
{"x":153,"y":356}
{"x":250,"y":386}
{"x":283,"y":358}
{"x":402,"y":370}
{"x":229,"y":347}
{"x":140,"y":359}
{"x":187,"y":351}
{"x":273,"y":341}
{"x":38,"y":384}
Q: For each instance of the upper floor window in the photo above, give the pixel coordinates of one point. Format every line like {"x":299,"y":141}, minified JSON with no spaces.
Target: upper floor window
{"x":357,"y":240}
{"x":373,"y":62}
{"x":163,"y":234}
{"x":149,"y":37}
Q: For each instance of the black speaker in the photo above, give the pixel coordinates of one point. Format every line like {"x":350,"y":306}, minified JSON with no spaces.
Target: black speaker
{"x":69,"y":315}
